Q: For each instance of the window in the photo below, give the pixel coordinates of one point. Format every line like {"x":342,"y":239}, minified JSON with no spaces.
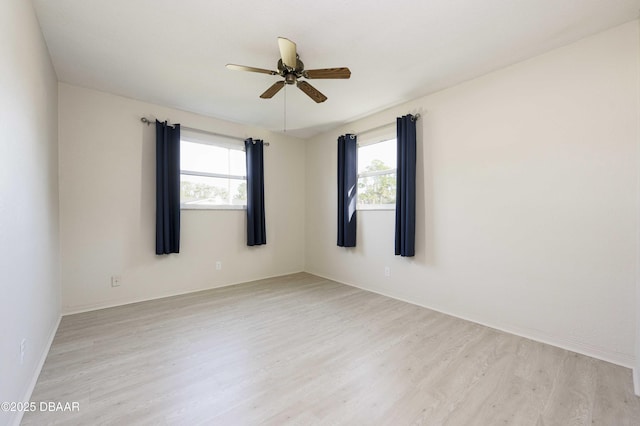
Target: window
{"x":377,"y":175}
{"x":212,"y":173}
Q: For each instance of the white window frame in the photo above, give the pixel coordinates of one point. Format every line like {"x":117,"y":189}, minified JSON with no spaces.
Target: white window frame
{"x":217,"y":141}
{"x":382,"y":135}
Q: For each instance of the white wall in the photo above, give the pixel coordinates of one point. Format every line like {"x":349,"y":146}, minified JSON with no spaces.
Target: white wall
{"x":107,"y":205}
{"x":636,"y":370}
{"x":29,"y":248}
{"x":527,"y":200}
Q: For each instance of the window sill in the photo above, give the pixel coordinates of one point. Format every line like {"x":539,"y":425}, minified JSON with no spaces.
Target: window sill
{"x":209,"y":207}
{"x":375,"y":207}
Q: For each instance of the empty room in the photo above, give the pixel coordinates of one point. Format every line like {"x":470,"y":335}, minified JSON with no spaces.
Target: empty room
{"x":320,"y":213}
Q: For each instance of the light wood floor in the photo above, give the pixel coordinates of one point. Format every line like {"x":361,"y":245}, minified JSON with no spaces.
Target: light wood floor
{"x":304,"y":350}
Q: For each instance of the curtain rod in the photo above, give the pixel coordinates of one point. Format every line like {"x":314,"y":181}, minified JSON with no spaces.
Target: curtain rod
{"x":149,"y":122}
{"x":415,"y":118}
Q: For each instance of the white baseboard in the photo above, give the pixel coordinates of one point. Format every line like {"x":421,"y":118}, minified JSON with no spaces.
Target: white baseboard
{"x":78,"y":309}
{"x":34,"y":379}
{"x":636,"y":381}
{"x":570,"y":344}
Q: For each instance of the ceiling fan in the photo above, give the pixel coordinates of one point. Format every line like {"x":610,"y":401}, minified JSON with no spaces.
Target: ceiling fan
{"x":291,"y":68}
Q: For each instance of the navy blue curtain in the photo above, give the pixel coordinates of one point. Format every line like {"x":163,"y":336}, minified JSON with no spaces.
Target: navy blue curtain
{"x":167,"y":188}
{"x":406,"y":186}
{"x":347,"y":190}
{"x":256,"y":230}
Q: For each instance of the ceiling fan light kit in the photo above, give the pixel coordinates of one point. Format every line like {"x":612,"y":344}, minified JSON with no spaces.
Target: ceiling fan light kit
{"x":291,"y":68}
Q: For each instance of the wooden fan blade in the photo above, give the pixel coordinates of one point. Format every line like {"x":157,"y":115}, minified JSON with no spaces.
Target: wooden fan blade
{"x":288,"y":52}
{"x":328,"y":73}
{"x":275,"y":88}
{"x":311,"y":91}
{"x":251,"y":69}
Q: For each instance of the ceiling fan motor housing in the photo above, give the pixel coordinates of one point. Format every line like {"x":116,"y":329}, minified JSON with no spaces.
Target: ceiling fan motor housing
{"x":290,"y":78}
{"x":291,"y":75}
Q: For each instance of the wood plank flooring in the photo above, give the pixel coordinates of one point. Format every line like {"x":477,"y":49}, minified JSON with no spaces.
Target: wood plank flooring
{"x":302,"y":350}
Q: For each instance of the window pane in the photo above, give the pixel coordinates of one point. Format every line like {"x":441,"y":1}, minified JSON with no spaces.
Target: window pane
{"x":199,"y":157}
{"x":377,"y":156}
{"x":379,"y":189}
{"x":238,"y":192}
{"x":207,"y":191}
{"x":237,"y":163}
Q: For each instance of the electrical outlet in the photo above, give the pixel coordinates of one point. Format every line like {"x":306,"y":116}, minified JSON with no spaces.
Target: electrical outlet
{"x":218,"y":265}
{"x":116,"y":281}
{"x":23,"y":349}
{"x":387,"y":271}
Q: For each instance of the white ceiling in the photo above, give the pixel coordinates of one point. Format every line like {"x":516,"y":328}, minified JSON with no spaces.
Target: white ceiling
{"x":173,"y":52}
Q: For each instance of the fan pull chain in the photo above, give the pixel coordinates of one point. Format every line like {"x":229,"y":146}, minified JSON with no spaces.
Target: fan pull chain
{"x":284,"y":130}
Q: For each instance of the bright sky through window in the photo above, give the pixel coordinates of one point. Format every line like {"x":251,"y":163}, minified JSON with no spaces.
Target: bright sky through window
{"x":382,"y":151}
{"x":198,"y":157}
